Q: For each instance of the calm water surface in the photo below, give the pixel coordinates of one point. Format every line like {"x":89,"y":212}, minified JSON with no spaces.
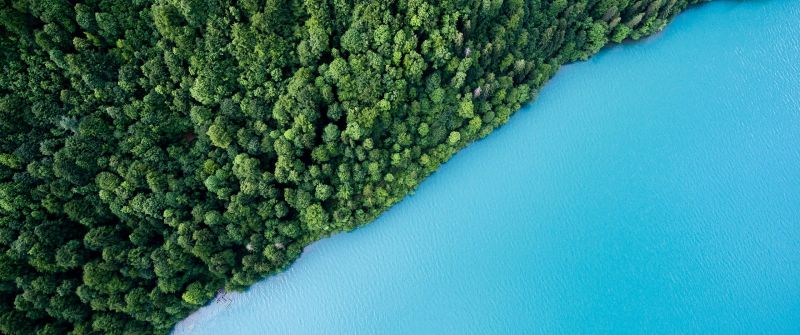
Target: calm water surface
{"x":654,"y":189}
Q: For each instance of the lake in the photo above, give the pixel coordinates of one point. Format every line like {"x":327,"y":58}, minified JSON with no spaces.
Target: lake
{"x":654,"y":189}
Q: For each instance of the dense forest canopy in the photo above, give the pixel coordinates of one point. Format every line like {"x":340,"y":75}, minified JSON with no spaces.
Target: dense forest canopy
{"x":153,"y":152}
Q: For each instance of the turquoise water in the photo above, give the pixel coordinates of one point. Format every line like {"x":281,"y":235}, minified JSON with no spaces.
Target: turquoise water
{"x":654,"y":189}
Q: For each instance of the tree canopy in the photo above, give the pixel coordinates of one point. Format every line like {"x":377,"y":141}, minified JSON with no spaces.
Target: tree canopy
{"x":153,"y":152}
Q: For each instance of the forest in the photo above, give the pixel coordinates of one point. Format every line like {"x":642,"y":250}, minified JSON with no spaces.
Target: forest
{"x":153,"y":152}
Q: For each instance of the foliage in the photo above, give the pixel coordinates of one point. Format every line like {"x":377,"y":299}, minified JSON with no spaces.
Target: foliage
{"x":152,"y":152}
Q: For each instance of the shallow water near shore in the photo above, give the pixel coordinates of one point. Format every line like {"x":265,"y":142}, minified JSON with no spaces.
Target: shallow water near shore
{"x":654,"y":189}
